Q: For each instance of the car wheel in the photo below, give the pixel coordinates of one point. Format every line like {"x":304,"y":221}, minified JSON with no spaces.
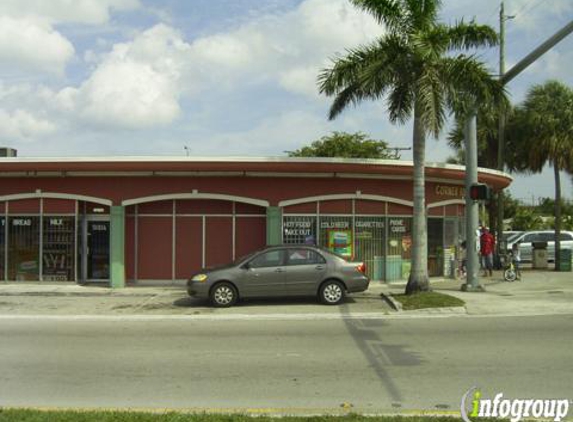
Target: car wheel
{"x":331,"y":292}
{"x":223,"y":295}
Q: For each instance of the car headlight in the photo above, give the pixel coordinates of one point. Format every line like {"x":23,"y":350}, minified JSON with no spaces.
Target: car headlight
{"x":199,"y":277}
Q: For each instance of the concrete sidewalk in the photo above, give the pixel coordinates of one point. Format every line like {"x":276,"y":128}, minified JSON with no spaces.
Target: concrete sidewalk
{"x":538,"y":293}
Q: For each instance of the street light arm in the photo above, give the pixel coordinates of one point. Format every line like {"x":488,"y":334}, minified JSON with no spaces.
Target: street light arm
{"x":538,"y":52}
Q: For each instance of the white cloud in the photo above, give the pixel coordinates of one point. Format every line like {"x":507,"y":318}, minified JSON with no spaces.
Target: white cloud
{"x":135,"y":86}
{"x":287,"y":49}
{"x":90,"y":12}
{"x":32,"y":45}
{"x":21,"y":125}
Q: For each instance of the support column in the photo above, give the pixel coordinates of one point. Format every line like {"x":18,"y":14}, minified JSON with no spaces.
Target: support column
{"x":117,"y":247}
{"x":274,"y":226}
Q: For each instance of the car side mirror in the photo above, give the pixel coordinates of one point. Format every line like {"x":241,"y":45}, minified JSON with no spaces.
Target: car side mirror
{"x":246,"y":266}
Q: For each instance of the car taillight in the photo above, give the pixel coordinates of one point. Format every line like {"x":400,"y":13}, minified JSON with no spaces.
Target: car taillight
{"x":361,"y":268}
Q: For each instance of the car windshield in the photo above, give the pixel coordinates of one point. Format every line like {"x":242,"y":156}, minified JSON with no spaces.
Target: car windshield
{"x":244,"y":258}
{"x":510,"y":237}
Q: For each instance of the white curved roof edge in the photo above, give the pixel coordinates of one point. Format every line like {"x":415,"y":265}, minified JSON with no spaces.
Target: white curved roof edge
{"x":241,"y":159}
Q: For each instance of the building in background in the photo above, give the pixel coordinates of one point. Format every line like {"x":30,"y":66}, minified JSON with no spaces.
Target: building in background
{"x":132,"y":220}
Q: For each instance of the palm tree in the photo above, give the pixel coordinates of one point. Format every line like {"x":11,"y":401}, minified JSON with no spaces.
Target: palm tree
{"x":413,"y":66}
{"x":546,"y":130}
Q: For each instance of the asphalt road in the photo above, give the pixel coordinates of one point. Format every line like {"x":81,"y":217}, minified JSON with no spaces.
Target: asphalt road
{"x":289,"y":366}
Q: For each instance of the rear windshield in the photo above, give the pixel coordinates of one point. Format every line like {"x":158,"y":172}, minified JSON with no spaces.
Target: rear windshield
{"x":328,"y":251}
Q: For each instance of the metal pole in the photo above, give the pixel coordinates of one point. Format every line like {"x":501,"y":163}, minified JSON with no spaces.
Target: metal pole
{"x":501,"y":130}
{"x":538,"y":52}
{"x":472,"y":284}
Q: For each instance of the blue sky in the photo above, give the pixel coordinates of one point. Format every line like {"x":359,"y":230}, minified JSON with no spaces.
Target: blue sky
{"x":220,"y":77}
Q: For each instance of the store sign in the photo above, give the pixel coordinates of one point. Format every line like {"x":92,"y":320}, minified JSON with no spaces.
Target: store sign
{"x":22,"y":222}
{"x":335,"y":225}
{"x":297,"y":228}
{"x":450,"y":191}
{"x":397,"y":225}
{"x":56,"y":222}
{"x":369,"y":224}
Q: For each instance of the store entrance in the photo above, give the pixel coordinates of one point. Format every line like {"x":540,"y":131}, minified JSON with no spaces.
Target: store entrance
{"x":95,"y":248}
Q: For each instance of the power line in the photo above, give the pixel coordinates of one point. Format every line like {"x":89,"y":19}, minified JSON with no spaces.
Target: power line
{"x":533,"y":6}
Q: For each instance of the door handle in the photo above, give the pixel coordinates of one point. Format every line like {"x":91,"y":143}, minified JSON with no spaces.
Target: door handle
{"x":319,"y":267}
{"x":279,"y":270}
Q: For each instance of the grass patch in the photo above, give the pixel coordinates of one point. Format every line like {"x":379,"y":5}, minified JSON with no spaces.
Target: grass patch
{"x":425,"y":300}
{"x":29,"y":415}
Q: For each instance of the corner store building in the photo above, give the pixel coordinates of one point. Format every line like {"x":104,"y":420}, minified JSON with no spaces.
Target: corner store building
{"x":128,"y":220}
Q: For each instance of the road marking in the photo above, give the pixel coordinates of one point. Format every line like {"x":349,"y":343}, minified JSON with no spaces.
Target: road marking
{"x":259,"y":317}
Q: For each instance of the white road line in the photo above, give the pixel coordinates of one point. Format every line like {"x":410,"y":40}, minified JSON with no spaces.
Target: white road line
{"x":262,"y":317}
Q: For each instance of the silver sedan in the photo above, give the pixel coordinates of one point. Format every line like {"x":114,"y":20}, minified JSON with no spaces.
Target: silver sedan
{"x":279,"y":271}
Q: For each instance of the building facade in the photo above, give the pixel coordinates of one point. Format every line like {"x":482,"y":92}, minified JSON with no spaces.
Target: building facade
{"x":135,"y":220}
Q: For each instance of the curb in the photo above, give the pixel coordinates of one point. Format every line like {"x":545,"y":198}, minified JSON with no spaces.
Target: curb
{"x":393,"y":303}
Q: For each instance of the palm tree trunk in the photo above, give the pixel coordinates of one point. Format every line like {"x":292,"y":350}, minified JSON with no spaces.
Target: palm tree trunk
{"x":557,"y":217}
{"x":418,"y":280}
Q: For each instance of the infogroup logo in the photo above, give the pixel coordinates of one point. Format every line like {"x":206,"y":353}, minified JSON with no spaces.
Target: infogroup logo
{"x":515,"y":409}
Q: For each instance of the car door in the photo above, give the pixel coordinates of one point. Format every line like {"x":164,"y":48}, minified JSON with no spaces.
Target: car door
{"x":264,"y":275}
{"x":525,"y":247}
{"x":305,"y":269}
{"x":549,"y":237}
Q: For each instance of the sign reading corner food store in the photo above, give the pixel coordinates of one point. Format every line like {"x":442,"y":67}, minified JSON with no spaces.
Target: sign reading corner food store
{"x":450,"y":191}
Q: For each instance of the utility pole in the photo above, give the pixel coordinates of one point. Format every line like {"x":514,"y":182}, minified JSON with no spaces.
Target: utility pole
{"x":472,"y":207}
{"x":501,"y":128}
{"x":471,"y":152}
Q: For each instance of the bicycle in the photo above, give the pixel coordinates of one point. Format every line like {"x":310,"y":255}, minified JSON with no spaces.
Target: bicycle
{"x":510,"y":273}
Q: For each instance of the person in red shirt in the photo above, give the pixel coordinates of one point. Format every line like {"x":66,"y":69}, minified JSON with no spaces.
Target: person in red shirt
{"x":487,"y":244}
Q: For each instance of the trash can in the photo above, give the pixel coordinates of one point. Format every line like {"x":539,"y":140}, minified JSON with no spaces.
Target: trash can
{"x":539,"y":258}
{"x":378,"y":273}
{"x":393,"y":267}
{"x":564,"y":263}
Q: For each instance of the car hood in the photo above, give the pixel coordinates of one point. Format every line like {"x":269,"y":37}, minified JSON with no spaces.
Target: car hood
{"x":208,"y":270}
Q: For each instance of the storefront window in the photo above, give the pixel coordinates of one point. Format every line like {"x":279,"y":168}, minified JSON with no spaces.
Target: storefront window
{"x":299,"y":230}
{"x":23,"y":248}
{"x":399,"y":248}
{"x":336,"y":234}
{"x":369,"y":244}
{"x":58,"y":249}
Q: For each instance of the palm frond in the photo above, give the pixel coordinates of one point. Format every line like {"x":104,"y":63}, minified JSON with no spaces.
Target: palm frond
{"x":386,"y":12}
{"x":431,"y":99}
{"x":350,"y":95}
{"x":422,"y":14}
{"x":466,"y":36}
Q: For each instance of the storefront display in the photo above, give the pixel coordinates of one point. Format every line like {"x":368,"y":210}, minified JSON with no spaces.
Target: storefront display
{"x":58,"y":248}
{"x":23,"y":248}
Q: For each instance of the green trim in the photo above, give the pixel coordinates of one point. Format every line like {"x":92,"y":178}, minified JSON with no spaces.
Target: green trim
{"x":274,"y":225}
{"x":117,"y":247}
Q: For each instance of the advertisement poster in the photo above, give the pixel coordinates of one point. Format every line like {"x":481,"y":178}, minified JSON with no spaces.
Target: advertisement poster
{"x":340,"y":242}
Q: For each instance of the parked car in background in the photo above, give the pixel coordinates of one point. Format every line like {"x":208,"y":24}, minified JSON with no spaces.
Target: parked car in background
{"x":275,"y":271}
{"x":509,"y":235}
{"x":526,"y":240}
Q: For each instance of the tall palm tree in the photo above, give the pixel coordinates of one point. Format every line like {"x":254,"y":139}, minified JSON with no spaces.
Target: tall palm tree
{"x":413,"y":66}
{"x":547,"y":134}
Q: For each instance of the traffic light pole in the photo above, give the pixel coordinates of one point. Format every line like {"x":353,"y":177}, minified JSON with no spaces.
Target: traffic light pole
{"x":472,"y":207}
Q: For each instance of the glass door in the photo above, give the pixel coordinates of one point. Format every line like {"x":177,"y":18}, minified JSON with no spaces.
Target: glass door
{"x":98,"y":250}
{"x":94,"y":249}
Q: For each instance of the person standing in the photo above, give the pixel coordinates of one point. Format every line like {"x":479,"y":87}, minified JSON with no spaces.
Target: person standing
{"x":487,"y":244}
{"x":516,"y":256}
